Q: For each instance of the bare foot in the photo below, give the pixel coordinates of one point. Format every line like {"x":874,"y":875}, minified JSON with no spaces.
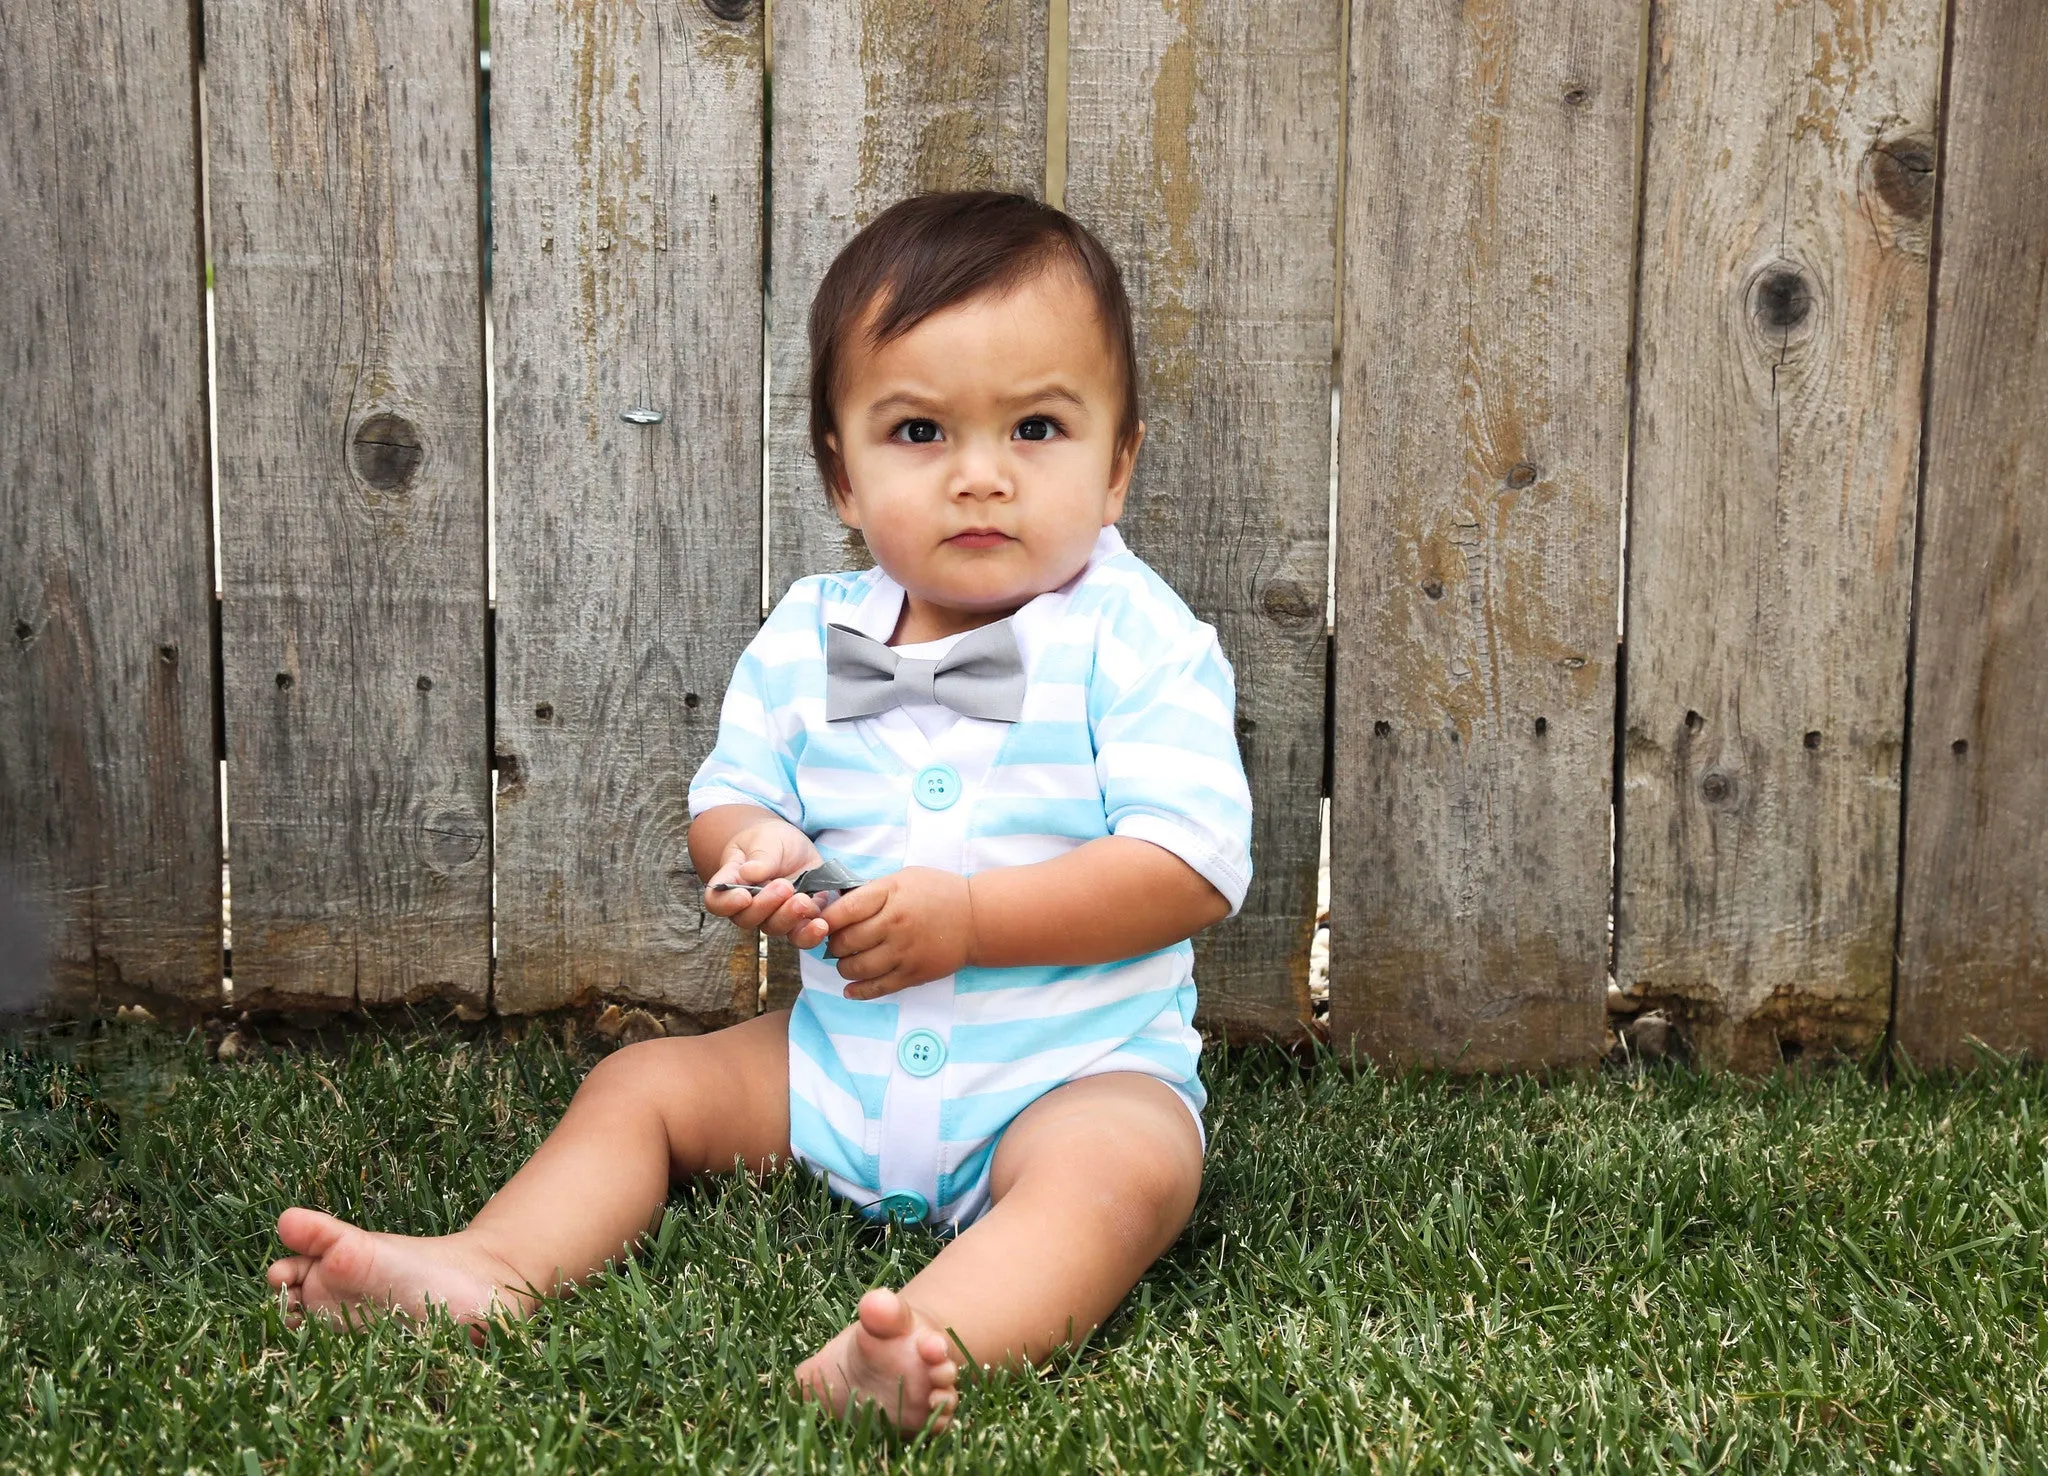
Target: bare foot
{"x":341,"y":1273}
{"x":890,"y":1356}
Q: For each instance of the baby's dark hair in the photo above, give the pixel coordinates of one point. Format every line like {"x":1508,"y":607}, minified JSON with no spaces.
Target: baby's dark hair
{"x":927,"y":253}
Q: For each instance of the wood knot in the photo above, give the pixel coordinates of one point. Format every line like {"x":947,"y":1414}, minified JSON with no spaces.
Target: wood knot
{"x":23,"y":630}
{"x":1783,"y":300}
{"x":1576,"y":95}
{"x":1902,"y":174}
{"x":1521,"y":474}
{"x":1289,"y":600}
{"x":168,"y":655}
{"x":386,"y":451}
{"x":1718,"y":789}
{"x":1433,"y":588}
{"x":1382,"y":728}
{"x":451,"y":838}
{"x":729,"y":10}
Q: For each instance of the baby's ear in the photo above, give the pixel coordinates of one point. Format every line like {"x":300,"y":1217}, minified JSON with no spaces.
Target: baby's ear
{"x":1121,"y":465}
{"x":837,"y":488}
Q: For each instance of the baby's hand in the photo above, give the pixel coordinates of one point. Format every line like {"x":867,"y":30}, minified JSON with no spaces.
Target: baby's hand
{"x":768,"y":854}
{"x":908,"y":928}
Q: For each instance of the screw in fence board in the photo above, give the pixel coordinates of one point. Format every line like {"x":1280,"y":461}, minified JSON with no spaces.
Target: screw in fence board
{"x":1781,"y":330}
{"x":108,"y":802}
{"x":875,"y":100}
{"x":1974,"y":930}
{"x":1202,"y":147}
{"x":627,"y":310}
{"x":343,"y":172}
{"x":1489,"y":203}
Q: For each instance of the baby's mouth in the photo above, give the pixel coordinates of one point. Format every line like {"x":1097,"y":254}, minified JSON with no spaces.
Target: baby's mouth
{"x":979,"y":538}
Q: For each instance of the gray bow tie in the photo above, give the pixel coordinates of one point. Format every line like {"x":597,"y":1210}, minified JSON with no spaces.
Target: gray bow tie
{"x":981,"y":677}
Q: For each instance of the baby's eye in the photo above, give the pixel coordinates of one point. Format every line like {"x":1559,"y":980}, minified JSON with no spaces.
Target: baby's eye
{"x":916,"y":432}
{"x":1037,"y":428}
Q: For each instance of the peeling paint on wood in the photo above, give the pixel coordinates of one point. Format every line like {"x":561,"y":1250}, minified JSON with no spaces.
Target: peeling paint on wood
{"x":628,"y":188}
{"x":342,"y":143}
{"x":1202,"y":143}
{"x":1782,"y":330}
{"x":1974,"y":938}
{"x":1486,"y":305}
{"x":109,"y":815}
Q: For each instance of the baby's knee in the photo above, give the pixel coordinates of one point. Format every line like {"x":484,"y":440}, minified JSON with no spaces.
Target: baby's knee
{"x":630,"y":1071}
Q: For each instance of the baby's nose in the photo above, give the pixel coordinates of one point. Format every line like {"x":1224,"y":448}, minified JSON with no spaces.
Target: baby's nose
{"x":983,"y":472}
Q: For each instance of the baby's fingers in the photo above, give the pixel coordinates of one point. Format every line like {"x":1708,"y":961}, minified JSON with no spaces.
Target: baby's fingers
{"x":793,"y":919}
{"x":851,"y":938}
{"x":747,"y":909}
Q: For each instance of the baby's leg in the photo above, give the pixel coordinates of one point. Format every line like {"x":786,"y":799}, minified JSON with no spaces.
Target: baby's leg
{"x":1090,"y":1185}
{"x":645,"y":1114}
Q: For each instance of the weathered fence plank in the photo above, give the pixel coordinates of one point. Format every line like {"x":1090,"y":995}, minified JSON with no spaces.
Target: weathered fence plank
{"x":873,"y":100}
{"x":627,"y":276}
{"x":1788,"y":190}
{"x":1202,"y":148}
{"x":109,"y":811}
{"x":350,"y":401}
{"x":1486,"y":305}
{"x":1974,"y":935}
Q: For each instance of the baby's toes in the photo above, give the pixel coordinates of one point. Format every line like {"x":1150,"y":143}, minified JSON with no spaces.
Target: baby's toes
{"x":289,"y":1271}
{"x":943,"y":1403}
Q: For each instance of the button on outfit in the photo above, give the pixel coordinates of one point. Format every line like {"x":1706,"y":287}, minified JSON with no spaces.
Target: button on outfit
{"x":936,"y":787}
{"x":921,"y":1053}
{"x":904,"y":1204}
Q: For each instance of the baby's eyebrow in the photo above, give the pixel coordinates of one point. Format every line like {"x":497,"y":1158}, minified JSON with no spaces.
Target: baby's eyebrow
{"x":1050,"y":392}
{"x":900,"y":400}
{"x":897,"y":402}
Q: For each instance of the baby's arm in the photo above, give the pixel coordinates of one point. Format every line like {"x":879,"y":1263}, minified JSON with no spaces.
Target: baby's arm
{"x":1112,"y":898}
{"x":746,"y":843}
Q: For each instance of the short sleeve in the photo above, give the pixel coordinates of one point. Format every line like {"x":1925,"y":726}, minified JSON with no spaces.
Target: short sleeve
{"x":1166,"y":754}
{"x":754,"y":762}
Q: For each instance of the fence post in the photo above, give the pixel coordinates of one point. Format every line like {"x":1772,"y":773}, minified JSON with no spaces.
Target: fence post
{"x":343,"y":147}
{"x":627,"y":300}
{"x":1974,"y":934}
{"x":1202,"y":148}
{"x":1487,"y":247}
{"x":109,"y":807}
{"x":1789,"y":180}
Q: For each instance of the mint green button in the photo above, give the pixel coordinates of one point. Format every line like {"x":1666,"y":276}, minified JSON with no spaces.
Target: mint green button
{"x":905,"y":1204}
{"x":936,"y":787}
{"x":921,"y":1053}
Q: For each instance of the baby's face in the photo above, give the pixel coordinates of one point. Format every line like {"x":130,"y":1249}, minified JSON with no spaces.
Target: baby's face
{"x":980,"y":452}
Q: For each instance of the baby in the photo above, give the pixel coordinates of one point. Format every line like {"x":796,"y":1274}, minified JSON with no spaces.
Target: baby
{"x":1019,"y":743}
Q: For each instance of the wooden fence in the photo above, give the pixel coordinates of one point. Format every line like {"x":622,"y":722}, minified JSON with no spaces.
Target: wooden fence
{"x":1691,"y":536}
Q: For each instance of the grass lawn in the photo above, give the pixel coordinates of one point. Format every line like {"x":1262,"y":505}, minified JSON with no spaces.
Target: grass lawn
{"x":1604,"y":1273}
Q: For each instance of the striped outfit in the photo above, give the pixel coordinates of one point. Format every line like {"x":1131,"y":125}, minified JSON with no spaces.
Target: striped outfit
{"x":1127,"y":729}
